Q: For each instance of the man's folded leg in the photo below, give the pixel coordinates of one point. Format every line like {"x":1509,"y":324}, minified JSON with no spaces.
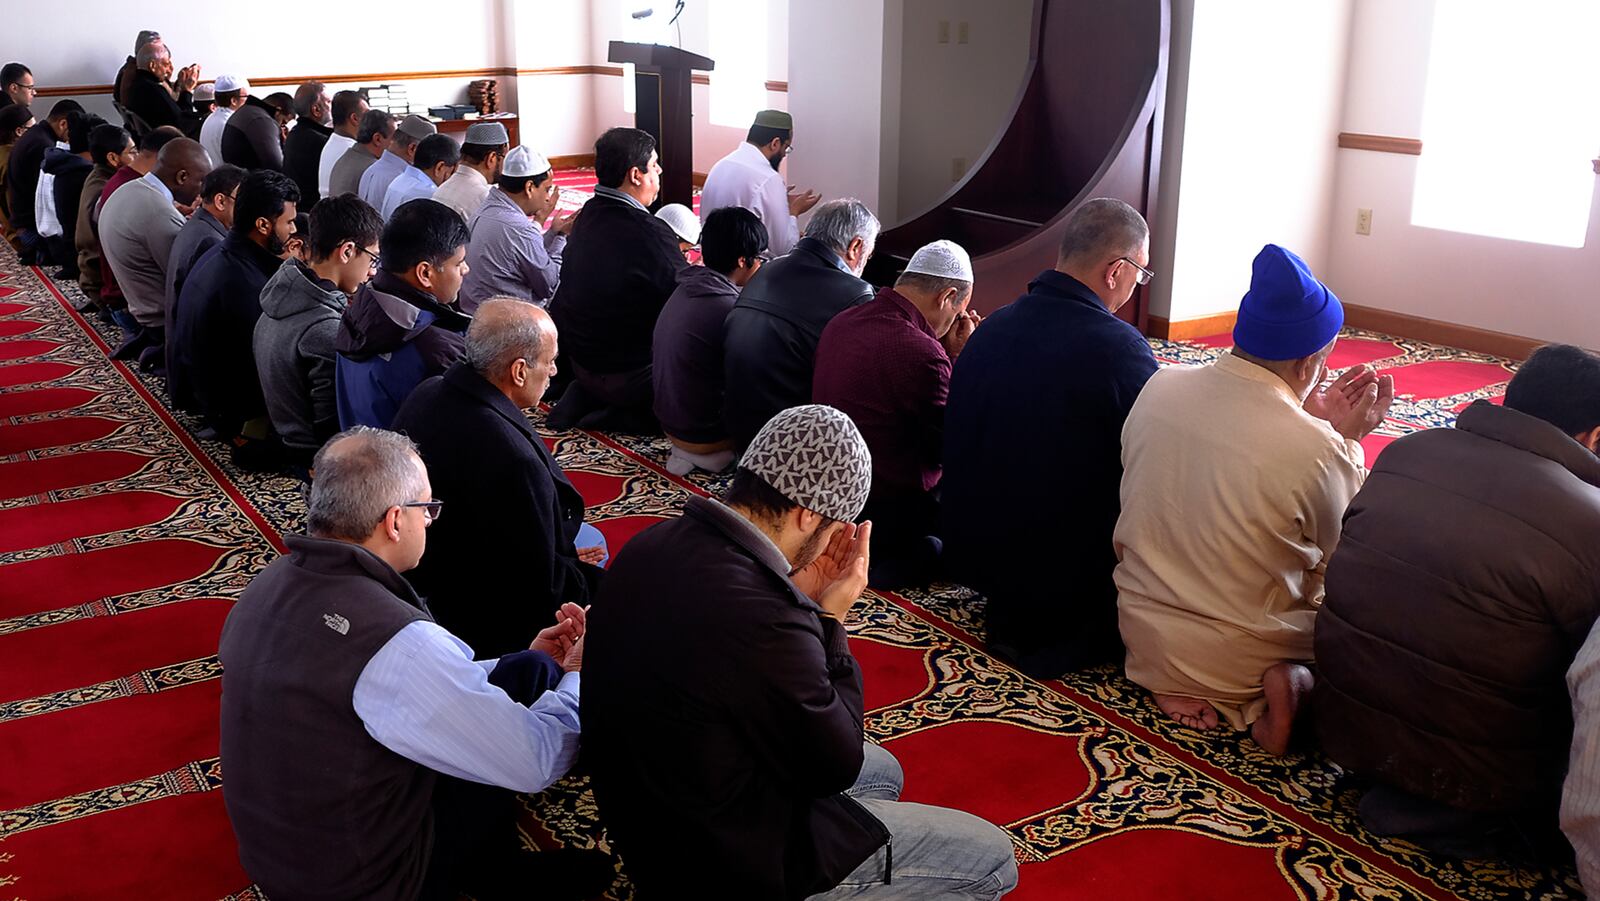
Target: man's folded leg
{"x":938,"y":853}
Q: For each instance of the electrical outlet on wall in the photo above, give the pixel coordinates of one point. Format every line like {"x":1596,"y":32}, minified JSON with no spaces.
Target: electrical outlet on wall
{"x":944,"y":31}
{"x":961,"y":33}
{"x":1363,"y":221}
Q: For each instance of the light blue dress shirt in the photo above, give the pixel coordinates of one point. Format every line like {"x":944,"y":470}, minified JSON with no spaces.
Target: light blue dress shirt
{"x":375,"y":181}
{"x":412,"y":184}
{"x":423,"y":697}
{"x":161,"y":186}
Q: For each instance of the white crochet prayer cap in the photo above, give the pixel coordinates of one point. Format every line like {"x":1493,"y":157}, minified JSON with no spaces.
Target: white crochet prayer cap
{"x":683,"y":221}
{"x":524,"y":163}
{"x":231,"y":83}
{"x":942,"y":259}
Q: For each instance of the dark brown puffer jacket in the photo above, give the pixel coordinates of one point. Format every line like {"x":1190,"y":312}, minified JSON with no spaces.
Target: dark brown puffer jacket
{"x":1466,"y":579}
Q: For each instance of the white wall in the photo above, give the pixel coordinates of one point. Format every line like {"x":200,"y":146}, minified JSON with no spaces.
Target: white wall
{"x":836,"y":95}
{"x":1533,"y":290}
{"x":711,"y":141}
{"x":1250,"y":141}
{"x":87,"y":41}
{"x":953,"y":97}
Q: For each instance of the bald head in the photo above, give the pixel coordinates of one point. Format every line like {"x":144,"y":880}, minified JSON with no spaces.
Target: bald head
{"x":512,"y":344}
{"x":182,"y":165}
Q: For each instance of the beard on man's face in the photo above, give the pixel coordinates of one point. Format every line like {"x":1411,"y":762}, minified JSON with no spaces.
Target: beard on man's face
{"x":812,"y":549}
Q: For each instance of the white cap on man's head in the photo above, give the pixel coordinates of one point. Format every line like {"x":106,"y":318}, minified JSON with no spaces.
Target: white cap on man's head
{"x":231,"y":83}
{"x":685,"y":224}
{"x":942,"y":259}
{"x":524,"y":163}
{"x":204,"y":92}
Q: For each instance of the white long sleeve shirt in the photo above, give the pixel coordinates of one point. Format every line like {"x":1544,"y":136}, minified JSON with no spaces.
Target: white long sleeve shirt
{"x":745,"y":178}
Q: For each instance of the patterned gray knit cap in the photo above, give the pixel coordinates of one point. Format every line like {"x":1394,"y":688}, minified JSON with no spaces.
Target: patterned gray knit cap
{"x":814,"y":455}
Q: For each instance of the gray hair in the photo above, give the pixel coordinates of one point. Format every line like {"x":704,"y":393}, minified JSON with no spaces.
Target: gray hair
{"x":149,"y":52}
{"x":838,"y":222}
{"x":306,"y":95}
{"x":1103,"y":229}
{"x":360,"y":473}
{"x":934,"y":284}
{"x":146,"y":37}
{"x":503,"y":332}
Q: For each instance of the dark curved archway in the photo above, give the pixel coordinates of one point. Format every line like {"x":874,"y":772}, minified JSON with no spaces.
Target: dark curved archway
{"x":1086,"y":123}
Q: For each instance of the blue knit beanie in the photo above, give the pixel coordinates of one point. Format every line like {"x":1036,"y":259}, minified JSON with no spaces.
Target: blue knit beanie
{"x":1287,"y":314}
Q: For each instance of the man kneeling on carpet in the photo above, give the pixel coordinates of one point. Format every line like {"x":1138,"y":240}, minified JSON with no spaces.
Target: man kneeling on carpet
{"x":516,"y":549}
{"x":1235,"y":476}
{"x":1468,"y":572}
{"x":723,"y":717}
{"x":367,"y":754}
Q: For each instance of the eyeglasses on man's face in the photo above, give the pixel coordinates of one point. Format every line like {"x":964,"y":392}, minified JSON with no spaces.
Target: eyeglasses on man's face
{"x":430,"y":509}
{"x":1144,"y":276}
{"x":372,"y":257}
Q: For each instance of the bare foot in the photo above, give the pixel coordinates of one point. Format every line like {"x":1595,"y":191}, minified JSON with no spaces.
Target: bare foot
{"x":1191,"y":712}
{"x":1287,"y":685}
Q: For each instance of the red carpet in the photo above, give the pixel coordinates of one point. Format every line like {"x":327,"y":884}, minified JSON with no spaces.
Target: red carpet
{"x":123,"y":541}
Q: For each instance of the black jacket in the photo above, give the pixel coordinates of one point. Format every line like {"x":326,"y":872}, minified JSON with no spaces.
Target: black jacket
{"x":22,"y":172}
{"x":722,"y":718}
{"x":215,"y":325}
{"x":619,"y":267}
{"x":302,"y":153}
{"x":500,"y":560}
{"x":1042,"y":388}
{"x":251,"y":138}
{"x":771,"y":344}
{"x":70,"y":171}
{"x":1466,"y":579}
{"x":150,"y":100}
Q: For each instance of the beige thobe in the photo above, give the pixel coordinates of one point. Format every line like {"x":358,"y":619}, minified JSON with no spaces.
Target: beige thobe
{"x":1232,"y":497}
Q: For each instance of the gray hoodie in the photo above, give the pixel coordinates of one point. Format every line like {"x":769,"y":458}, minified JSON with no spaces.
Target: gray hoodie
{"x":294,"y":354}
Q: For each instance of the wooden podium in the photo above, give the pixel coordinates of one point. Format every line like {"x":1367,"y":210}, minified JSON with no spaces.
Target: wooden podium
{"x":662,"y":108}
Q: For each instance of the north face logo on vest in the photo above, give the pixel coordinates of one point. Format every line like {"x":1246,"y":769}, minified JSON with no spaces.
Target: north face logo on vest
{"x":337,"y":623}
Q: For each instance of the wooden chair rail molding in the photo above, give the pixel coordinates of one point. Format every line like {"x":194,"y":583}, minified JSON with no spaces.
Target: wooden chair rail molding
{"x":1381,"y":143}
{"x":78,"y":90}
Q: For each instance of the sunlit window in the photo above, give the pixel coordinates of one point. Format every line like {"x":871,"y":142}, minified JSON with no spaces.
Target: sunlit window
{"x":1511,"y":120}
{"x":738,"y":44}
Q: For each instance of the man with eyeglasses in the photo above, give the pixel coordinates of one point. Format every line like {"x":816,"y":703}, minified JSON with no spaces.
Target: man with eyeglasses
{"x":1236,"y":480}
{"x":16,"y":85}
{"x":300,"y":309}
{"x":519,"y":549}
{"x":749,"y":177}
{"x":1033,"y":443}
{"x":369,"y":755}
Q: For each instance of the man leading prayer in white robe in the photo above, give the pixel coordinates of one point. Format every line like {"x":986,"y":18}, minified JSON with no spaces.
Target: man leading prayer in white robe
{"x":748,"y":177}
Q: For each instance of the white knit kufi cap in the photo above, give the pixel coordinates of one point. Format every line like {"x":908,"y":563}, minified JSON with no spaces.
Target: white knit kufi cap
{"x":231,"y":83}
{"x":524,"y":163}
{"x":685,"y":224}
{"x":942,"y":259}
{"x":815,"y":456}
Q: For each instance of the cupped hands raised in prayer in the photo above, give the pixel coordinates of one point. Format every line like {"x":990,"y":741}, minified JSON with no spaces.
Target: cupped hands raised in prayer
{"x":1355,"y":403}
{"x":838,"y":576}
{"x":564,"y":640}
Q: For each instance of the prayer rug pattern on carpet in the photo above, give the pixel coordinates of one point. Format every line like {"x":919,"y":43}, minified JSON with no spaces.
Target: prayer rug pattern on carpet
{"x":108,"y":704}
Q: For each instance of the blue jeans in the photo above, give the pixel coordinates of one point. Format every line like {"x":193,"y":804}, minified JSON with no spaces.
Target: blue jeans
{"x":938,"y":853}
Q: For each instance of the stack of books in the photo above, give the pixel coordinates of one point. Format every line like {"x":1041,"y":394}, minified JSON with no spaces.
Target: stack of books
{"x":484,"y":95}
{"x":391,"y":98}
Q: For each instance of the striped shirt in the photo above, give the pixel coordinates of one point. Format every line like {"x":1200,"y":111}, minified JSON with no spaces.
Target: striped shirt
{"x":1580,"y":796}
{"x":423,"y":697}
